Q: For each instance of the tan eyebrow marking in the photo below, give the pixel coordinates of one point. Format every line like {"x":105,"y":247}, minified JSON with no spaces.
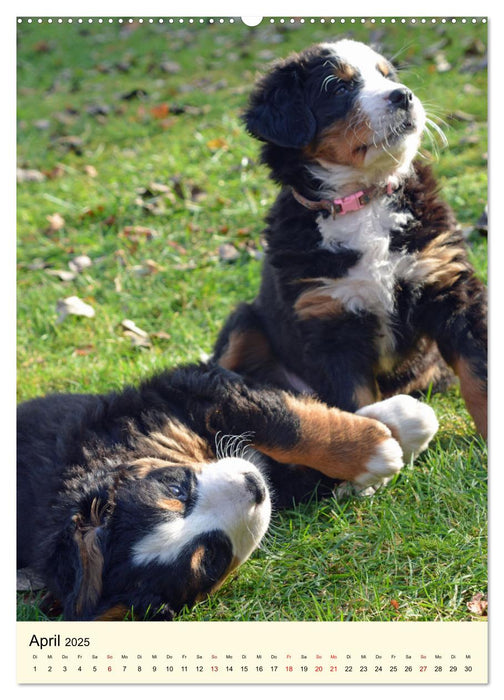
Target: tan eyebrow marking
{"x":384,"y":68}
{"x":344,"y":71}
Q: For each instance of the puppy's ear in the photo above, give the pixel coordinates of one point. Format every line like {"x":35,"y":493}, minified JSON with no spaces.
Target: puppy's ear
{"x":278,"y":111}
{"x":85,"y":564}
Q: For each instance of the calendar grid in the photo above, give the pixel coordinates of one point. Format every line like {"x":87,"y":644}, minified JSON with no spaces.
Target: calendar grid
{"x":256,"y":652}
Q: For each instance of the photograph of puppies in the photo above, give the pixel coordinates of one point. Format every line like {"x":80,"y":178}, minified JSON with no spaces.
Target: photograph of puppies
{"x":252,"y":320}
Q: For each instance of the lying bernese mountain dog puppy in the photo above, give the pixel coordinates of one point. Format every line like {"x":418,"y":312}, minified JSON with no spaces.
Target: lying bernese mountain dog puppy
{"x":366,"y":289}
{"x":136,"y":503}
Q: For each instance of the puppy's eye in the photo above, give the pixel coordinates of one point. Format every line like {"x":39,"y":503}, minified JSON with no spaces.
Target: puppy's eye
{"x":177,"y":491}
{"x":344,"y":88}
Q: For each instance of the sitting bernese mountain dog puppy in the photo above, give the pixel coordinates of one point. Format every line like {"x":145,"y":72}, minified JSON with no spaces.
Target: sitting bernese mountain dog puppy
{"x":366,"y":289}
{"x":136,"y":503}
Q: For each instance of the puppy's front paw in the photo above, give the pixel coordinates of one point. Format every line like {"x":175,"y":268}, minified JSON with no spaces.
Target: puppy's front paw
{"x":384,"y":463}
{"x":411,"y":422}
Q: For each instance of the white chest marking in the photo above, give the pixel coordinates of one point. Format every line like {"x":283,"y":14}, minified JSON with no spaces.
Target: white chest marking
{"x":370,"y":284}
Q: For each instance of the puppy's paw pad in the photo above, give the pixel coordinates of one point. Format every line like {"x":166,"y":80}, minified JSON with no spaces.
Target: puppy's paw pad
{"x":412,"y":422}
{"x":385,"y":462}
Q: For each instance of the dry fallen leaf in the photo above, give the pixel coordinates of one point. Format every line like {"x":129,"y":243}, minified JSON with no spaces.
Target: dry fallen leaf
{"x":216,"y":144}
{"x":79,"y":263}
{"x":28,"y":580}
{"x":84,"y":350}
{"x":56,"y":222}
{"x":131,"y":326}
{"x":90,"y":170}
{"x":149,"y":267}
{"x":64,"y":275}
{"x":228,"y":253}
{"x":478,"y":605}
{"x":138,"y":233}
{"x":138,"y":337}
{"x":29,"y":175}
{"x":73,"y":306}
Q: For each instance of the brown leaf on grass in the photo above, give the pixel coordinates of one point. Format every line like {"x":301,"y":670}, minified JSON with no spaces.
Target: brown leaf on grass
{"x":155,"y":189}
{"x":187,"y":189}
{"x":160,"y":111}
{"x":228,"y":253}
{"x":459,"y":116}
{"x":90,"y":170}
{"x":73,"y":306}
{"x":29,"y":175}
{"x":154,"y":197}
{"x":149,"y":267}
{"x":161,"y":335}
{"x":136,"y":93}
{"x":28,"y":580}
{"x":138,"y":337}
{"x":63,"y":275}
{"x":71,"y":143}
{"x":170,"y":67}
{"x":441,"y":62}
{"x":478,"y":605}
{"x":36,"y":264}
{"x":129,"y":325}
{"x":138,"y":233}
{"x":92,"y":213}
{"x":57,"y":171}
{"x":177,"y":247}
{"x":217,"y":144}
{"x":80,"y":263}
{"x":56,"y":222}
{"x":84,"y":350}
{"x":77,"y":265}
{"x":394,"y":604}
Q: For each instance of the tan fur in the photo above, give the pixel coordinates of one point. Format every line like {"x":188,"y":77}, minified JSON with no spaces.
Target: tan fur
{"x":171,"y":504}
{"x":383,"y":67}
{"x":316,"y":302}
{"x":245,"y":349}
{"x":365,"y":395}
{"x":342,"y":143}
{"x":473,"y":393}
{"x":114,"y":614}
{"x":336,"y":443}
{"x":196,"y":559}
{"x":344,"y":72}
{"x":177,"y":444}
{"x":91,"y":558}
{"x":438,"y":264}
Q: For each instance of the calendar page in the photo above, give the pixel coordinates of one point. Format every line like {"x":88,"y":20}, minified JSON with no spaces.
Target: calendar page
{"x":252,"y":264}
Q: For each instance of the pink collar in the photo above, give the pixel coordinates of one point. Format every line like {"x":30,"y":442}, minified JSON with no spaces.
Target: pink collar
{"x":344,"y":205}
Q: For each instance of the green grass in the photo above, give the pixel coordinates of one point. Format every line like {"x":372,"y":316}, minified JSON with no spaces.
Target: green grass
{"x":417,"y":551}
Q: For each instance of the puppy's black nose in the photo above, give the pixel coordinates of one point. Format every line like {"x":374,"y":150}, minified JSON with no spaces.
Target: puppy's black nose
{"x":401,"y":98}
{"x":255,"y":486}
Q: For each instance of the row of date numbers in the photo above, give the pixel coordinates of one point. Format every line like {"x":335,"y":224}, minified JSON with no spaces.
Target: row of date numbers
{"x":261,"y":669}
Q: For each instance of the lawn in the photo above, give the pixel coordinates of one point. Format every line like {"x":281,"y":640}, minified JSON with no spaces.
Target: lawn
{"x":140,"y":193}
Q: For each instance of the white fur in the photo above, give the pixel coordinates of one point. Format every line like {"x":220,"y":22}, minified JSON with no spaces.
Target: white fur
{"x":386,"y":461}
{"x":385,"y":157}
{"x":223,"y":503}
{"x":413,"y":422}
{"x":370,"y":283}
